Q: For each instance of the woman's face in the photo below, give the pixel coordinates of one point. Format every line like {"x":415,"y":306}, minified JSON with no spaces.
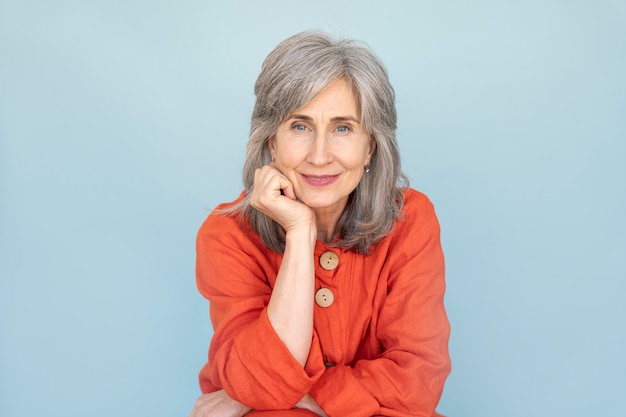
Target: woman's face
{"x":322,"y":148}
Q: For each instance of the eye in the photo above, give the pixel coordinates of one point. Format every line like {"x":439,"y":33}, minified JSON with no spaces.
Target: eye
{"x":298,"y":127}
{"x":343,"y":129}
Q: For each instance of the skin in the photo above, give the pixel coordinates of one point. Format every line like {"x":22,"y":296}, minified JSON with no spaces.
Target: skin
{"x":322,"y":142}
{"x":320,"y":152}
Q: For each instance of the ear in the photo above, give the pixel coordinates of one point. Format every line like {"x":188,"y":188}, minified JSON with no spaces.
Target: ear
{"x":371,"y":150}
{"x":271,"y":144}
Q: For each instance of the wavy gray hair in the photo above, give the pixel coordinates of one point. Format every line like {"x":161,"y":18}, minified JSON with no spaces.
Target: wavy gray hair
{"x":292,"y":74}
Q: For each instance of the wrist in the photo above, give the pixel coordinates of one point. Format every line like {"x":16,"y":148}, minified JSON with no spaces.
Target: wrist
{"x":301,"y":233}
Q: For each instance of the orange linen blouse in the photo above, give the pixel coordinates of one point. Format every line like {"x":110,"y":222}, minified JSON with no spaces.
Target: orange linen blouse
{"x":380,"y":346}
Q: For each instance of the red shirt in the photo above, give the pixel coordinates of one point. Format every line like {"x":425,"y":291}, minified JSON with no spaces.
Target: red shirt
{"x":385,"y":332}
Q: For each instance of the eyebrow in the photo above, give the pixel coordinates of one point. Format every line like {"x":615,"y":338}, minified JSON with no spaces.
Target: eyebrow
{"x":333,"y":120}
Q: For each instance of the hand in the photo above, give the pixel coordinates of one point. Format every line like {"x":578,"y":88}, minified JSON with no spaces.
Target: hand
{"x":308,"y":402}
{"x":218,"y":404}
{"x":274,"y":196}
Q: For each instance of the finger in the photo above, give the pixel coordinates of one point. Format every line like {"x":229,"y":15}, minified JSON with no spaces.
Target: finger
{"x":289,"y":191}
{"x":286,"y":187}
{"x":282,"y":186}
{"x":274,"y":180}
{"x":265,"y":176}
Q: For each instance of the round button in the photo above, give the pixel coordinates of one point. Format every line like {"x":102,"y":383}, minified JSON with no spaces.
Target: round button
{"x":324,"y":297}
{"x":329,"y":260}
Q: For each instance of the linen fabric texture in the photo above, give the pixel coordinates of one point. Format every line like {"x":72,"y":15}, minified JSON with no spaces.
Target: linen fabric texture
{"x":386,"y":333}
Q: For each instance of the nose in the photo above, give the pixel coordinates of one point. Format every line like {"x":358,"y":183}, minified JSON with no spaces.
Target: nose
{"x":320,"y":151}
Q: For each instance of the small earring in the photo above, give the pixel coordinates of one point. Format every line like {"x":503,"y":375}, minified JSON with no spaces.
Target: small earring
{"x":367,"y":169}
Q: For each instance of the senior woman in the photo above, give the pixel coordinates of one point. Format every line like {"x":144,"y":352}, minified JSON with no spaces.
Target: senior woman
{"x":326,"y":276}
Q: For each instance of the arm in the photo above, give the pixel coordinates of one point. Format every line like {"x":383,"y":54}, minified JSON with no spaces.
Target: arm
{"x":408,"y":376}
{"x":218,"y":404}
{"x":290,"y":309}
{"x":262,"y":334}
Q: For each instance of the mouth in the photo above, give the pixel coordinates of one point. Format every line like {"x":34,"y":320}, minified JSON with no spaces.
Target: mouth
{"x":320,"y":180}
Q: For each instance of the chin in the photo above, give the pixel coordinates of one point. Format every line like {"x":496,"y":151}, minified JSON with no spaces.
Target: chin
{"x":320,"y":202}
{"x":315,"y":203}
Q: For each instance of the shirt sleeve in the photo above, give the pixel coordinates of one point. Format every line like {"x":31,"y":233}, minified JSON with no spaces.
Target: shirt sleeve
{"x":246,"y":356}
{"x":408,"y":377}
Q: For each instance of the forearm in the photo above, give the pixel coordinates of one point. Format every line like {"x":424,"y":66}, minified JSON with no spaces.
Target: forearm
{"x":408,"y":386}
{"x":309,"y":403}
{"x":290,"y":309}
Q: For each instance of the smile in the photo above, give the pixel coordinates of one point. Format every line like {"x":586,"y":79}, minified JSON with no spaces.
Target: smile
{"x":320,"y":180}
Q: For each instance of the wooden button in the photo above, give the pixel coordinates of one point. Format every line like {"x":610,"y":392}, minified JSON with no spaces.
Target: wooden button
{"x":329,"y":260}
{"x":324,"y":297}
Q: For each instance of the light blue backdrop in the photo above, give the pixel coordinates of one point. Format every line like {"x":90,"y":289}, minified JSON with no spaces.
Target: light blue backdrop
{"x":122,"y":123}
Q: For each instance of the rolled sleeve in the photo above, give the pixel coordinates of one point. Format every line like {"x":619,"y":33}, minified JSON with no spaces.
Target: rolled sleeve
{"x":340,"y":393}
{"x":259,"y":370}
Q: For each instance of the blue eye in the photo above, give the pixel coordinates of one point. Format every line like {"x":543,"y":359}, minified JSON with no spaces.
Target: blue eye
{"x":300,"y":128}
{"x":343,"y":129}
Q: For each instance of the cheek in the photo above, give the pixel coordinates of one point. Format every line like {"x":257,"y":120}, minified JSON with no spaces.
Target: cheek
{"x":284,"y":160}
{"x":359,"y":162}
{"x":290,"y":157}
{"x":356,"y":171}
{"x":286,"y":164}
{"x":358,"y":175}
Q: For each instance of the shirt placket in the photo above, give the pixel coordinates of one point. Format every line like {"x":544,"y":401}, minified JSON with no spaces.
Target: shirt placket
{"x":328,"y":302}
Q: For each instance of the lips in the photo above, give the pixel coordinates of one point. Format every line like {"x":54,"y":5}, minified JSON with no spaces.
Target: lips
{"x":320,"y":180}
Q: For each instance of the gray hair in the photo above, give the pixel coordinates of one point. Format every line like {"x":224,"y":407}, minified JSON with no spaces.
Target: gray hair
{"x":292,"y":74}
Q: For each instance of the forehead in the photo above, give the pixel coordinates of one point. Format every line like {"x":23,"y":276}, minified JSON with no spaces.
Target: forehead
{"x":336,"y":98}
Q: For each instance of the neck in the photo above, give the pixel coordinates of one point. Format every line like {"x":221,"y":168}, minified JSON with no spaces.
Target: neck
{"x":326,"y":224}
{"x":325,"y":235}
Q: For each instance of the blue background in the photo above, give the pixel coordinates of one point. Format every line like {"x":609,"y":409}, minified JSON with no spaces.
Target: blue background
{"x":122,"y":123}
